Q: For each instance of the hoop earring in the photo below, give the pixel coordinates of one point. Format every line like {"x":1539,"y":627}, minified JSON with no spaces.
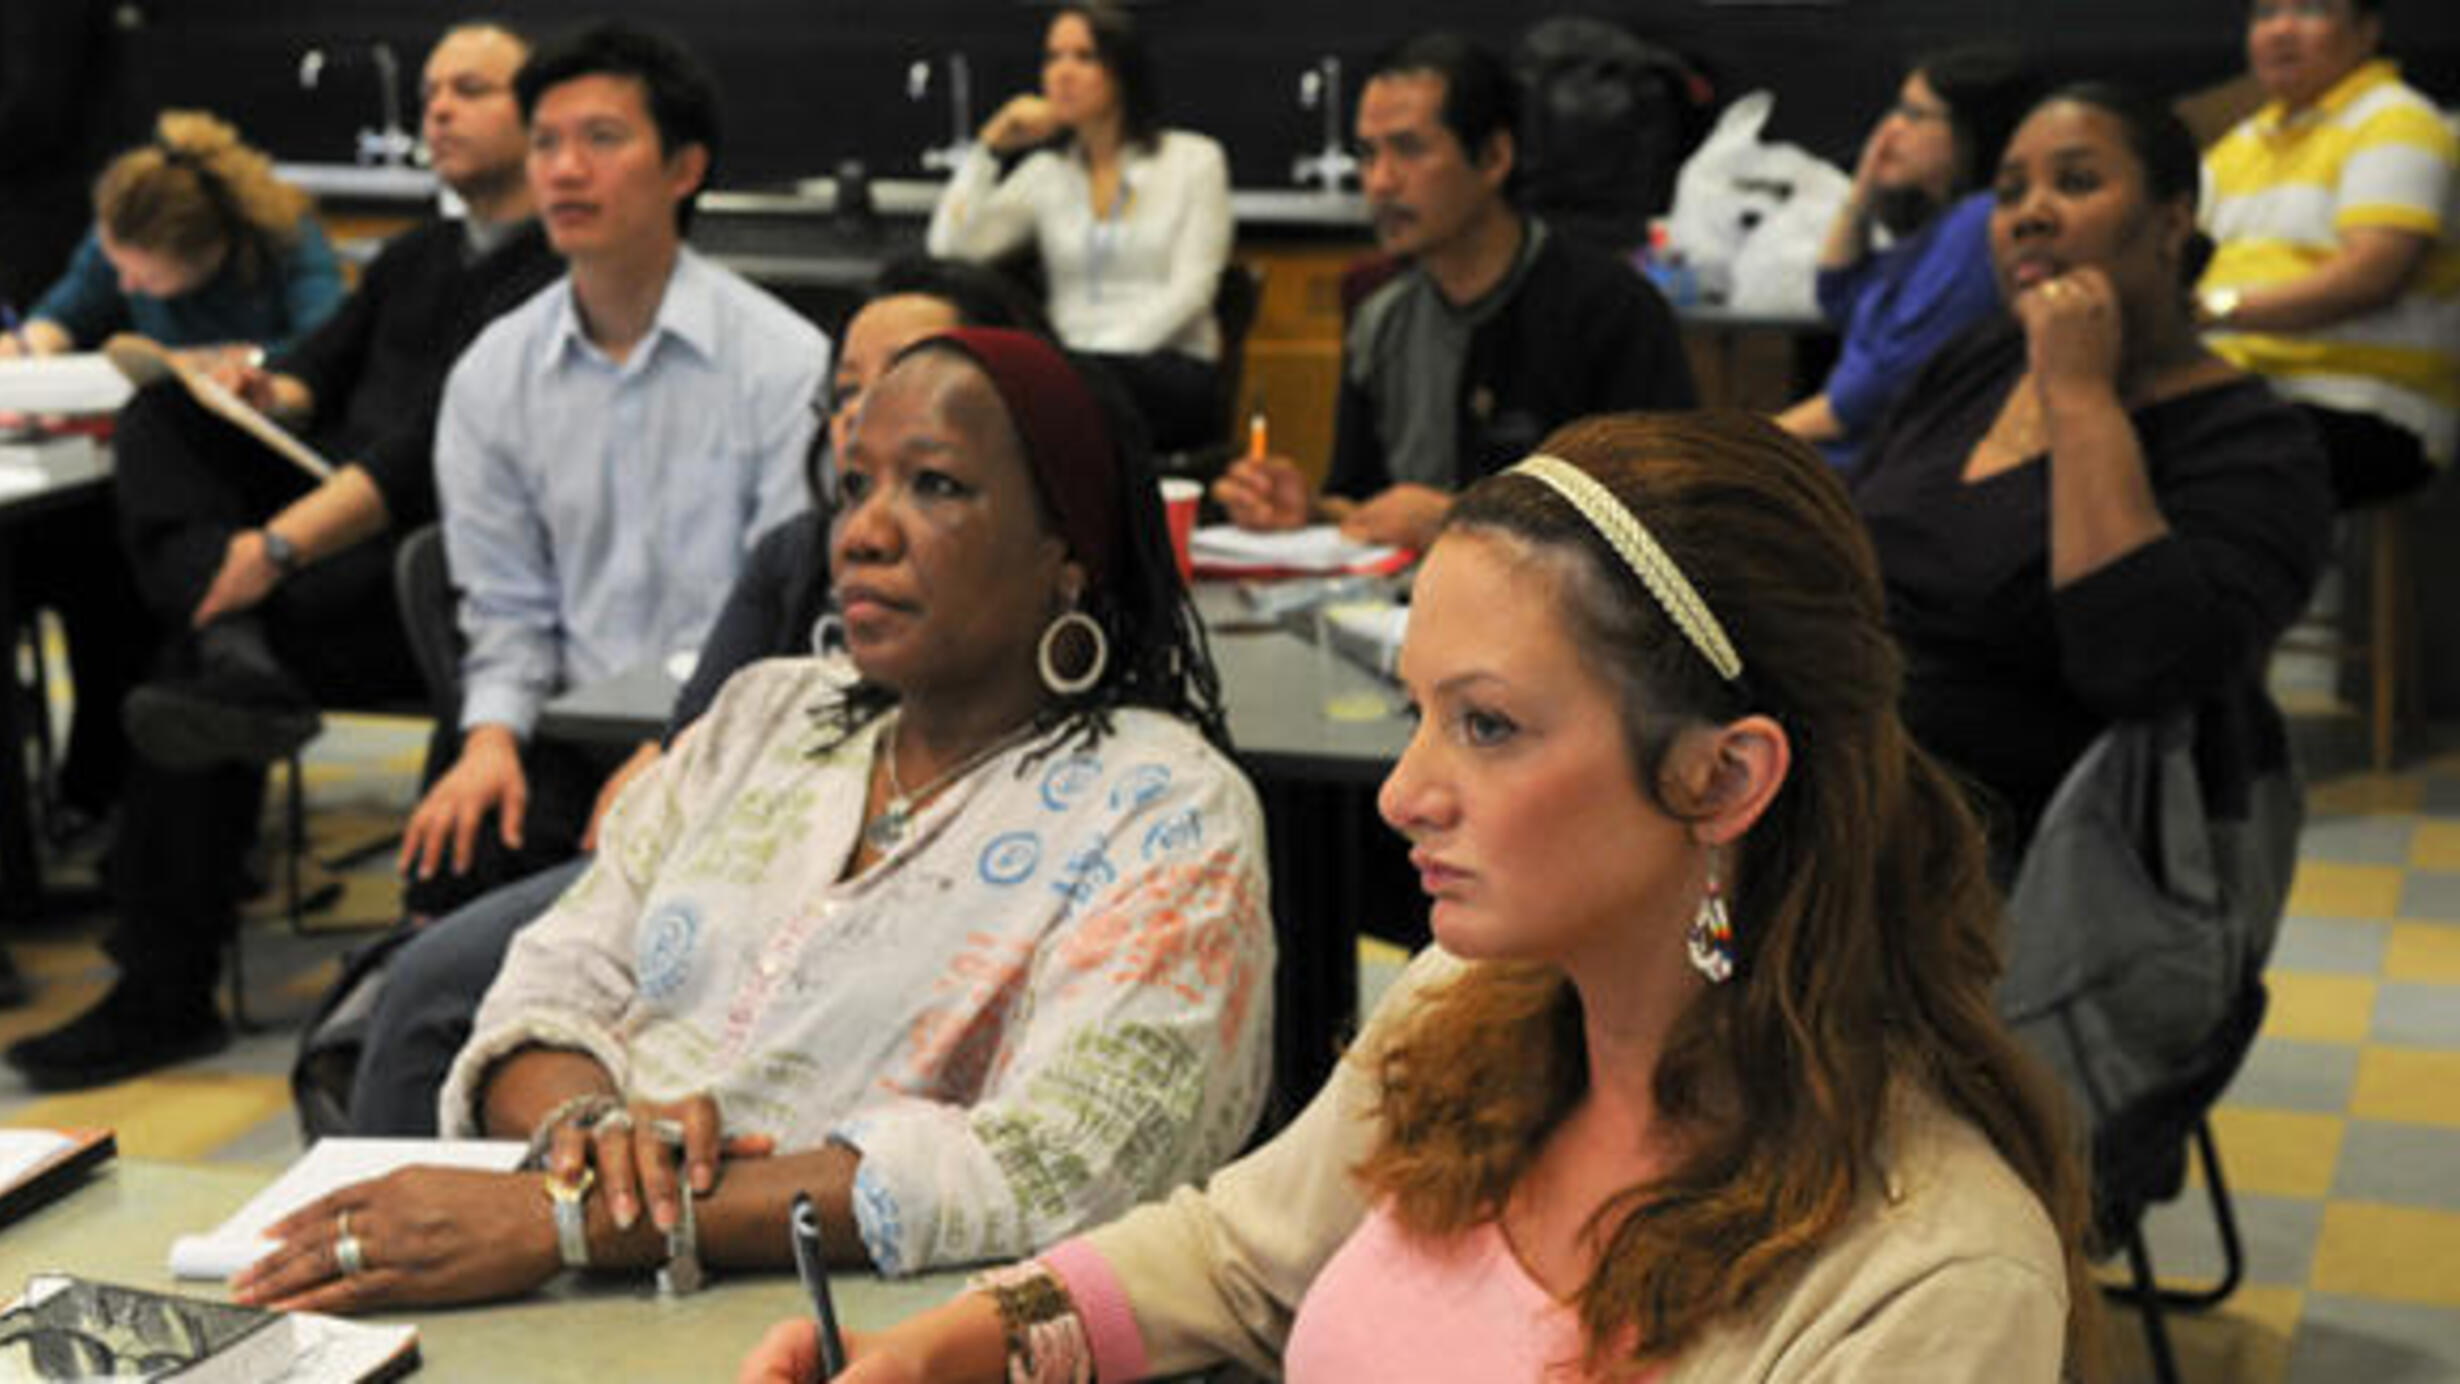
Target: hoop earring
{"x":828,"y":633}
{"x":1046,"y":657}
{"x":1710,"y":940}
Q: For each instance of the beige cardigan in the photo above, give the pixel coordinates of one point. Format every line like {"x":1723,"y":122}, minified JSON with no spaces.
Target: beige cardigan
{"x":1952,"y":1272}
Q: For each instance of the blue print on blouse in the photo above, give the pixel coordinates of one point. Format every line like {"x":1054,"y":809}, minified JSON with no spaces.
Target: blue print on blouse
{"x":1139,"y":786}
{"x":1011,"y":857}
{"x":1084,"y":876}
{"x":1066,"y":783}
{"x":663,"y":953}
{"x":875,"y":1216}
{"x":1173,"y":835}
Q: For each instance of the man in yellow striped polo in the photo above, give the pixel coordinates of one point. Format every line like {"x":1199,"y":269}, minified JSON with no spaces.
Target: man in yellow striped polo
{"x":2338,"y":269}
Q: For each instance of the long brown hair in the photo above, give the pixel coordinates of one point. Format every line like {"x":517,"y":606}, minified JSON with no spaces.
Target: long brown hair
{"x":197,"y":192}
{"x":1866,"y":927}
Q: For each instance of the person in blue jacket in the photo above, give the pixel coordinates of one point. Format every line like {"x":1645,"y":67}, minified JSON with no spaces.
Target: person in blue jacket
{"x":1922,"y":182}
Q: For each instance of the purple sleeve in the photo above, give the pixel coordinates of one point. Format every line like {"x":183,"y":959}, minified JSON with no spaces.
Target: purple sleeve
{"x":1931,"y":289}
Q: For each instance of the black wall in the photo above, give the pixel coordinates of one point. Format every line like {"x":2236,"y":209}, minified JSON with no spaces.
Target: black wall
{"x":810,"y":82}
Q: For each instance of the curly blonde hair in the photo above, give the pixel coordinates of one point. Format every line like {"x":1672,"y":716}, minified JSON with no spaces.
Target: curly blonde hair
{"x":196,"y":193}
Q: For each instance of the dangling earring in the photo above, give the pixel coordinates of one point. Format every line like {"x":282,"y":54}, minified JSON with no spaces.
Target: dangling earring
{"x":1711,"y":938}
{"x":1046,"y":653}
{"x":828,"y":633}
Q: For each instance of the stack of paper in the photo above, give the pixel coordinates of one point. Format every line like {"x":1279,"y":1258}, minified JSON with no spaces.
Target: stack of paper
{"x":1224,"y":550}
{"x":84,"y":383}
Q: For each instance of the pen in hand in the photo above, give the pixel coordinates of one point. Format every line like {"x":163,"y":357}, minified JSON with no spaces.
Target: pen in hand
{"x":15,"y":328}
{"x":813,"y":1266}
{"x":1258,"y":447}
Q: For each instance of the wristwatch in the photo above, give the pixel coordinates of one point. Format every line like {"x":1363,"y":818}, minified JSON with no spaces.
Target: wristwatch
{"x":2217,"y":305}
{"x":570,"y":1202}
{"x":281,"y":552}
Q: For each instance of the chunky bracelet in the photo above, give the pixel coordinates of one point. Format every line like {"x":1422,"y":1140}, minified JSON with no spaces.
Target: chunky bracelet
{"x":682,"y":1272}
{"x":1046,"y":1340}
{"x":586,"y":1109}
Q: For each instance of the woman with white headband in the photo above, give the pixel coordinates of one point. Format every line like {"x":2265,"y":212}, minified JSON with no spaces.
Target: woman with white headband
{"x":1701,"y":1080}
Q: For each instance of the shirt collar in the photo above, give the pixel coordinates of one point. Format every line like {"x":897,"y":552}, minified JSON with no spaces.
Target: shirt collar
{"x":687,"y":313}
{"x":2366,"y":76}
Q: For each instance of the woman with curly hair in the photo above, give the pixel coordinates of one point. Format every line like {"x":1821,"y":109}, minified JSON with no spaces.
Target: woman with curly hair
{"x":1702,"y":1080}
{"x":195,"y":243}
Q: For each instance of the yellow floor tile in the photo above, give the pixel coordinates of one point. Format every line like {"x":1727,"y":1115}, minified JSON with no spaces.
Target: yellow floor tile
{"x":2404,"y":1253}
{"x":2319,"y":1008}
{"x":172,"y":1115}
{"x":57,"y":999}
{"x":2435,"y":846}
{"x":2327,"y":890}
{"x":1377,"y":949}
{"x":2419,"y":952}
{"x":2361,"y":793}
{"x":2282,"y":1153}
{"x":2410,"y":1085}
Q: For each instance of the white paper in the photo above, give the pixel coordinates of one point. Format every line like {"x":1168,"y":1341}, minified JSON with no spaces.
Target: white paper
{"x":328,"y":1167}
{"x":1317,"y":548}
{"x":81,"y":383}
{"x":23,"y":1150}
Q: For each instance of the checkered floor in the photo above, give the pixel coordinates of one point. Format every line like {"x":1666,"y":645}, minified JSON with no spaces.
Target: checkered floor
{"x":2341,"y":1139}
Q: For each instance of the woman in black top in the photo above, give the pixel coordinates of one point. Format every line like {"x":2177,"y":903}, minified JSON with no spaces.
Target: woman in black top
{"x":2082,"y":516}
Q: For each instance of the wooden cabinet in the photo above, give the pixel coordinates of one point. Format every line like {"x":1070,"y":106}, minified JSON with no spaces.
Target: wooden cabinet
{"x":1294,"y":351}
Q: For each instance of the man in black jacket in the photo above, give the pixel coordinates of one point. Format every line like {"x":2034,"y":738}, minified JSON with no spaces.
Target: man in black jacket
{"x":1494,"y":334}
{"x":280,"y":585}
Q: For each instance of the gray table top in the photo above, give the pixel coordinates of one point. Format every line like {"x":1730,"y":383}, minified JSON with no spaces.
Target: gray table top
{"x":119,"y":1227}
{"x":1280,"y":689}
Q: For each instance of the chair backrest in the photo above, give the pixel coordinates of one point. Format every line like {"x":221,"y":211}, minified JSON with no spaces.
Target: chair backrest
{"x":2139,"y":924}
{"x":1237,"y":297}
{"x":423,"y":587}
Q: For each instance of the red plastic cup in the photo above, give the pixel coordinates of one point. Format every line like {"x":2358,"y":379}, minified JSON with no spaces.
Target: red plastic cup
{"x":1179,"y":498}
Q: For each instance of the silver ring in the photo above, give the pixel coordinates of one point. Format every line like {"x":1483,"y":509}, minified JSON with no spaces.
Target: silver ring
{"x":613,"y":1121}
{"x":348,"y":1255}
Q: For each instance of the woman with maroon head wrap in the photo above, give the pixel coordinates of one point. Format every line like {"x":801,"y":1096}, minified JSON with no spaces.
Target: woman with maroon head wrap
{"x":965,"y":931}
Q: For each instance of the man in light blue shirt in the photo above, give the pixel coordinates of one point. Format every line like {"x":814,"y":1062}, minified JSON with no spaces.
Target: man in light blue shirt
{"x":607,"y":452}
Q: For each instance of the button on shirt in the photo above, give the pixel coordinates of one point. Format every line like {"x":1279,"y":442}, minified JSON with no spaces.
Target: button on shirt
{"x":596,"y":513}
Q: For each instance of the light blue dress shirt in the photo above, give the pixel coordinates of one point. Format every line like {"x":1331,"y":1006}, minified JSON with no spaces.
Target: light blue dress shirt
{"x":595,"y":514}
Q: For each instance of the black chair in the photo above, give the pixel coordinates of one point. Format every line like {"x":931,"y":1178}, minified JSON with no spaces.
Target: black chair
{"x":1238,"y":296}
{"x":2139,"y":924}
{"x":423,"y":589}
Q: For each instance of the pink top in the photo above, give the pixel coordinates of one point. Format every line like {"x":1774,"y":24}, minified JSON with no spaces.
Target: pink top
{"x":1393,"y":1306}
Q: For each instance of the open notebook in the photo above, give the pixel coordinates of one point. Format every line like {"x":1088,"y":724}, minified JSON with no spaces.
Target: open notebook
{"x":37,"y":1165}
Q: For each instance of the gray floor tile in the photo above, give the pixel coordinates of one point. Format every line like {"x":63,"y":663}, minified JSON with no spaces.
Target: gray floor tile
{"x":2368,"y":840}
{"x":2333,"y":946}
{"x":2278,"y":1233}
{"x":2348,"y":1340}
{"x":2403,"y":1164}
{"x":2416,"y":1016}
{"x":2287,"y":1074}
{"x":2430,"y":894}
{"x":2441,"y":797}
